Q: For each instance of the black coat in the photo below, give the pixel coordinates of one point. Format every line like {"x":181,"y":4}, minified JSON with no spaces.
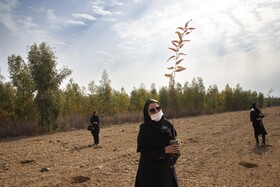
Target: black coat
{"x":95,"y":118}
{"x":257,"y":124}
{"x":156,"y":168}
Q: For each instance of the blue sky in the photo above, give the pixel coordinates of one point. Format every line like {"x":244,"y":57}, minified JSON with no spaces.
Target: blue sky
{"x":235,"y":42}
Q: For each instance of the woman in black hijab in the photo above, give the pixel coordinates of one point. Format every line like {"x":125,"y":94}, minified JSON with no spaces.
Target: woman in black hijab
{"x":158,"y":157}
{"x":256,"y":117}
{"x":95,"y":132}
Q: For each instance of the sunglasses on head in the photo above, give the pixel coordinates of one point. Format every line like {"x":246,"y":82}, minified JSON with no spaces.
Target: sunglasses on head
{"x":154,"y":110}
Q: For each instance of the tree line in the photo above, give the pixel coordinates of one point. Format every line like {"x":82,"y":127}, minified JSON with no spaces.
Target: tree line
{"x":33,"y":102}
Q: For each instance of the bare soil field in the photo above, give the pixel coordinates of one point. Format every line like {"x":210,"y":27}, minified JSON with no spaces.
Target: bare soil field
{"x":217,"y":150}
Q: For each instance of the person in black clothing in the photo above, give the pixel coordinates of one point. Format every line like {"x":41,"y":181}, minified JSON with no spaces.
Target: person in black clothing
{"x":157,"y":156}
{"x":95,"y":132}
{"x":256,"y":117}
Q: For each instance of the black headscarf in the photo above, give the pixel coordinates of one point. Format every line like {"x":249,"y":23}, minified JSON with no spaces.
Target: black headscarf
{"x":254,"y":106}
{"x":154,"y":134}
{"x":162,"y":127}
{"x":147,"y":118}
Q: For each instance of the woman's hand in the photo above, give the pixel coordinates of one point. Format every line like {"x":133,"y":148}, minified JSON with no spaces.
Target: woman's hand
{"x":172,"y":149}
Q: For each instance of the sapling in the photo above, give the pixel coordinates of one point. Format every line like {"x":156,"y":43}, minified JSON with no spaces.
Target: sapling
{"x":176,"y":59}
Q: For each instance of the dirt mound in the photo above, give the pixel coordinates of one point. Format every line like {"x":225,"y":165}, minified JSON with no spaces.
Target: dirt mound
{"x":217,"y":150}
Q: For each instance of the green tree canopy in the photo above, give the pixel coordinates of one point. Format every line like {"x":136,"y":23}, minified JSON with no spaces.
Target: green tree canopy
{"x":21,"y":80}
{"x":47,"y":79}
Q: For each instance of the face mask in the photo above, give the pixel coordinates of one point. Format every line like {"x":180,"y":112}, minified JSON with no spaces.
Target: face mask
{"x":157,"y":116}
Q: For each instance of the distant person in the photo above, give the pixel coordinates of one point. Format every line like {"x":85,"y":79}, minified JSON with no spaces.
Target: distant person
{"x":157,"y":156}
{"x":256,"y":117}
{"x":95,"y":132}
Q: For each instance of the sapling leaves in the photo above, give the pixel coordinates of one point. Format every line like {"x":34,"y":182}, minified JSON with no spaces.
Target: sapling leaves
{"x":168,"y":75}
{"x":179,"y":35}
{"x":175,"y":50}
{"x":178,"y":62}
{"x":171,"y":67}
{"x":172,"y":57}
{"x":178,"y":43}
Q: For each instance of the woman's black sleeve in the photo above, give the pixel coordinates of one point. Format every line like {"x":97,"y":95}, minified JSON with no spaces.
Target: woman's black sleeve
{"x":144,"y":146}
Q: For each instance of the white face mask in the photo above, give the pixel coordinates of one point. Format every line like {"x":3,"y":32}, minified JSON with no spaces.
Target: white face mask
{"x":157,"y":116}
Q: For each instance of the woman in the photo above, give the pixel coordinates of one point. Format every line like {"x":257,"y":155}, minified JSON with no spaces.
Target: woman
{"x":95,"y":132}
{"x":157,"y":159}
{"x":256,"y":117}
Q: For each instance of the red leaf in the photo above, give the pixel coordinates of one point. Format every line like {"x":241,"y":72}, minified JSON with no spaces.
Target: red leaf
{"x":179,"y":35}
{"x":186,"y":25}
{"x":175,"y":43}
{"x":178,"y":62}
{"x":178,"y":70}
{"x":171,"y":67}
{"x":180,"y":67}
{"x":168,"y":75}
{"x":181,"y":45}
{"x":181,"y":28}
{"x":175,"y":50}
{"x":171,"y":58}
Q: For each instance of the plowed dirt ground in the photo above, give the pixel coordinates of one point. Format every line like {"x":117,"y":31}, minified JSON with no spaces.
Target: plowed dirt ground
{"x":217,"y":150}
